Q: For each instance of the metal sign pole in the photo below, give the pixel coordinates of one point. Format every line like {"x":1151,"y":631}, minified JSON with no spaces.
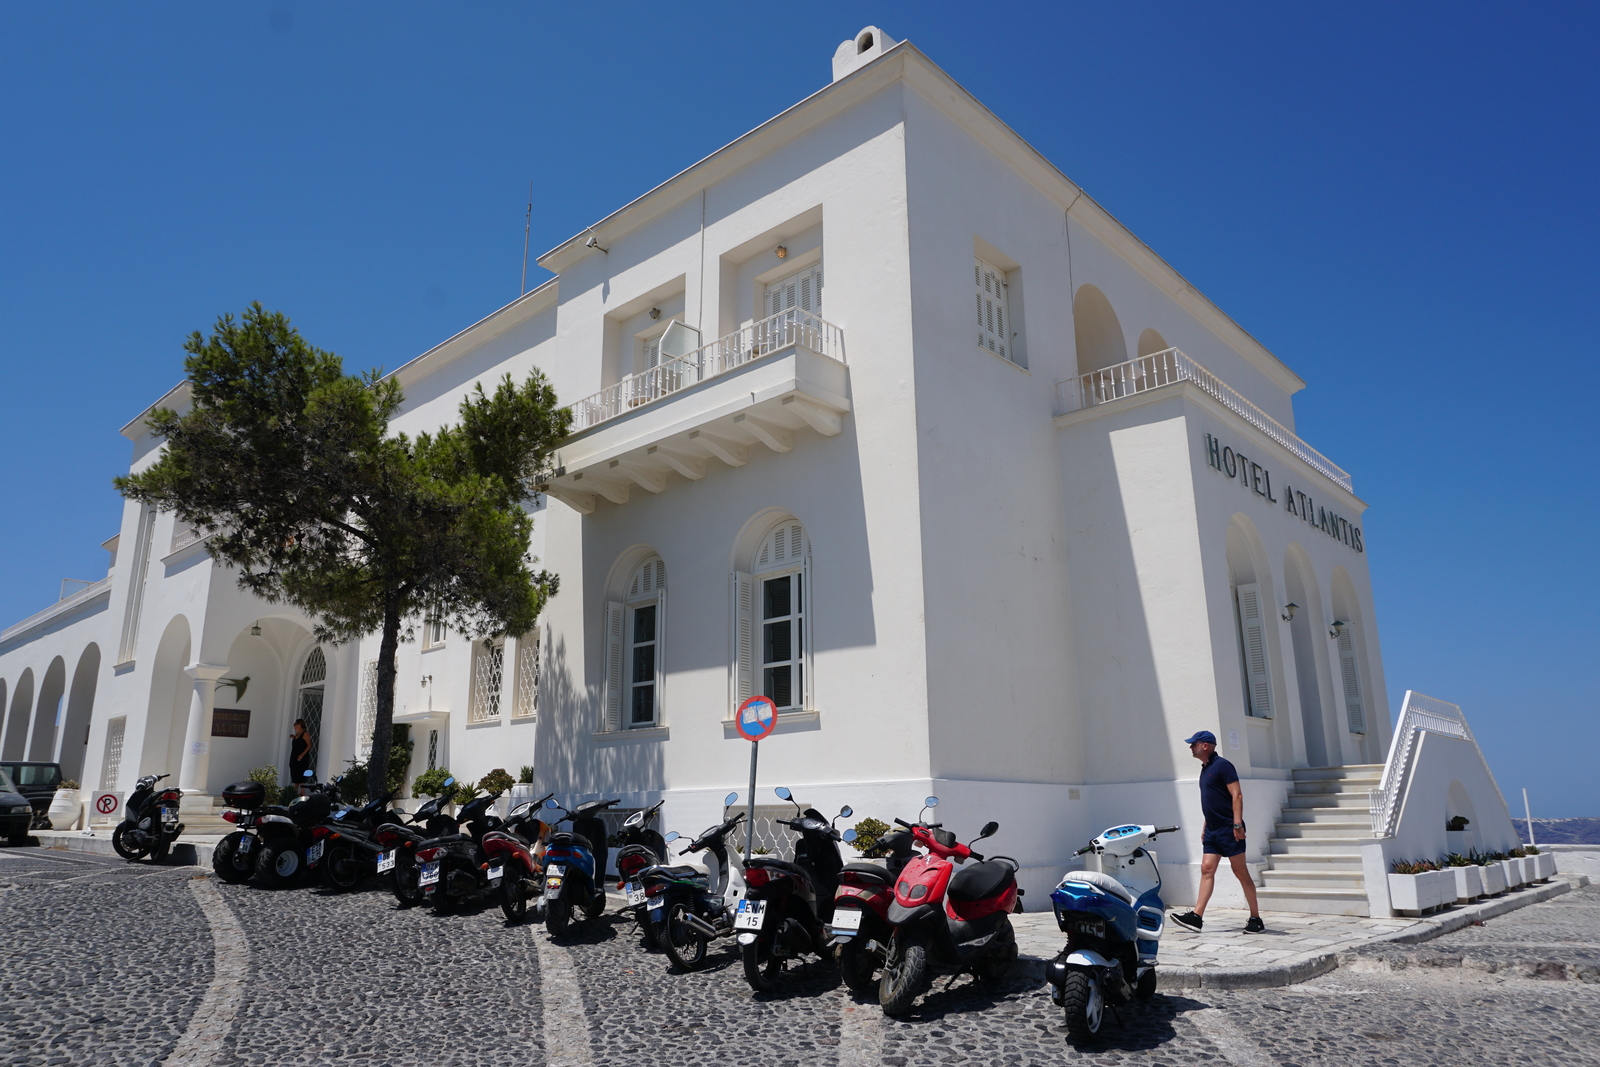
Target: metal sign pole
{"x":750,"y":818}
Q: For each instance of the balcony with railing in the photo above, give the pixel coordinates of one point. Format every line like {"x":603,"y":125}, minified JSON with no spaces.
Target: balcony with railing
{"x":757,"y":386}
{"x":1171,"y":366}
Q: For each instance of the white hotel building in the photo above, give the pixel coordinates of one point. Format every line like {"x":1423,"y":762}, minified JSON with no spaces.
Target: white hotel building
{"x":880,"y":414}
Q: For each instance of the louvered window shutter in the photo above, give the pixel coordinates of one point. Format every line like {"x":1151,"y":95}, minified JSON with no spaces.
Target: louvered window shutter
{"x":803,"y":604}
{"x":612,"y":697}
{"x":991,"y":302}
{"x":661,"y":650}
{"x":744,"y":638}
{"x":652,"y":353}
{"x":1257,"y":670}
{"x":1350,"y":674}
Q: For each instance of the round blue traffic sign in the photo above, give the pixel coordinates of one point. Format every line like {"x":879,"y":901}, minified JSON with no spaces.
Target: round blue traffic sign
{"x":756,"y":718}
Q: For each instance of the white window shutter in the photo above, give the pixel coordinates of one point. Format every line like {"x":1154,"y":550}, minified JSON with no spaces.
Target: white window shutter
{"x":744,"y":639}
{"x":991,"y":302}
{"x":652,"y":353}
{"x":1350,"y":674}
{"x":661,"y":650}
{"x":612,"y":697}
{"x":806,"y":657}
{"x":1257,"y":669}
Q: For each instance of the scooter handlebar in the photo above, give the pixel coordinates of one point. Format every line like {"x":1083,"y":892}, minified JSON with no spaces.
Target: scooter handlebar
{"x":902,"y":822}
{"x":1085,"y":848}
{"x":1166,"y":829}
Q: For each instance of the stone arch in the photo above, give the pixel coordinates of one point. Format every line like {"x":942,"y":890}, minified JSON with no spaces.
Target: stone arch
{"x":16,"y":740}
{"x":47,"y":711}
{"x":623,"y":569}
{"x":1300,"y":589}
{"x":1151,"y":342}
{"x":313,"y":671}
{"x":1097,"y":331}
{"x":74,"y":742}
{"x":167,"y":717}
{"x":1459,"y":802}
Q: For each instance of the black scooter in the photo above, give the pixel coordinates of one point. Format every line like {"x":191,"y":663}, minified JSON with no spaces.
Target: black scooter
{"x":687,"y":909}
{"x":453,"y":866}
{"x":401,"y":838}
{"x":639,"y":848}
{"x":149,"y":822}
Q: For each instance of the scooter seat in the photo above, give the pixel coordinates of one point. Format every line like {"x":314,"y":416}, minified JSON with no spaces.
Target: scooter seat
{"x":978,"y":882}
{"x":1102,"y":881}
{"x":686,"y":870}
{"x":870,"y":871}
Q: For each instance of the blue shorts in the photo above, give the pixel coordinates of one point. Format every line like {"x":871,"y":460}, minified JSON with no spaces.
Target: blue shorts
{"x":1221,"y":843}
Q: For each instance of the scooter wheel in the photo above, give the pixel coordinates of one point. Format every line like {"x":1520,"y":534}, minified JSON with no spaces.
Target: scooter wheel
{"x":685,"y":946}
{"x":277,"y":867}
{"x":905,"y":975}
{"x":513,"y":900}
{"x":406,"y":889}
{"x":226,"y":861}
{"x":857,"y":966}
{"x":1083,"y":1004}
{"x":159,"y":853}
{"x":341,"y":868}
{"x":1145,"y":988}
{"x":119,"y":843}
{"x":996,"y":969}
{"x":761,"y":968}
{"x":557,"y":916}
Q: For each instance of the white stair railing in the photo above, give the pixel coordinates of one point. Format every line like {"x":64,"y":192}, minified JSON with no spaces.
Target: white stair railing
{"x":1418,"y":714}
{"x":1172,"y":365}
{"x":759,"y":339}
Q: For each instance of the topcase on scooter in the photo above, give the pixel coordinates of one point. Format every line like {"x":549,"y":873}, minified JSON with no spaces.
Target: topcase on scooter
{"x":246,"y":796}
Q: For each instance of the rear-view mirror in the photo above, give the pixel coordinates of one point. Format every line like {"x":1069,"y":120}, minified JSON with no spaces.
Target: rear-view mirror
{"x":988,"y":830}
{"x":730,"y":800}
{"x":931,"y":802}
{"x":672,"y":835}
{"x":551,"y":803}
{"x":846,"y":811}
{"x":310,"y":774}
{"x":449,"y":782}
{"x":849,"y":835}
{"x":783,"y":793}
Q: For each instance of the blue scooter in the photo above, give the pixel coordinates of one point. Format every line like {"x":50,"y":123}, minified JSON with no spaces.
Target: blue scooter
{"x":1113,"y":922}
{"x":575,"y":864}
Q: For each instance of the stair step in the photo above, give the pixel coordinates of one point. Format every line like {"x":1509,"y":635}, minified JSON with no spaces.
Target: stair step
{"x":1355,"y":822}
{"x":1337,"y":879}
{"x":1319,"y":832}
{"x":1315,"y":901}
{"x":1317,"y":861}
{"x":1335,"y":786}
{"x":1311,"y":846}
{"x":1355,"y":801}
{"x":1354,"y":770}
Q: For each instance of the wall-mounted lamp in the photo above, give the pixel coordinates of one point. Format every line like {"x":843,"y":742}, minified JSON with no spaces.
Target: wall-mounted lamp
{"x":1288,"y":612}
{"x":782,"y":252}
{"x":655,"y":313}
{"x":426,"y":678}
{"x":255,"y":631}
{"x":594,"y":242}
{"x":1339,"y":627}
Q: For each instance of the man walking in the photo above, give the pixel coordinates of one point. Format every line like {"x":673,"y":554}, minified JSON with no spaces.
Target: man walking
{"x":1222,"y":802}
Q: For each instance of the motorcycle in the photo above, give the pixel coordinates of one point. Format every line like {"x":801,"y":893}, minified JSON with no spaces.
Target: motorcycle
{"x":1113,"y":921}
{"x":945,"y":921}
{"x":639,"y":847}
{"x":150,"y":821}
{"x":786,"y":908}
{"x":512,"y":861}
{"x":454,"y":868}
{"x":351,"y":848}
{"x":686,"y":910}
{"x":283,"y":835}
{"x":401,"y":839}
{"x":574,"y":864}
{"x":860,"y":926}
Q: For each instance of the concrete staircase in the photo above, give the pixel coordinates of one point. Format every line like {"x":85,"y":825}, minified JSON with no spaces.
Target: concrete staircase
{"x":202,"y":816}
{"x":1313,"y":862}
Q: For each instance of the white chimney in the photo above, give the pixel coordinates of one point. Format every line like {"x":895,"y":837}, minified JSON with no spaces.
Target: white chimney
{"x":860,"y":50}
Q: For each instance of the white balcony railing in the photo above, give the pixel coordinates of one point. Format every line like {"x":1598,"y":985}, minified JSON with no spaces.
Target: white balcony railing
{"x":1165,"y":368}
{"x":1418,"y":714}
{"x":793,"y":327}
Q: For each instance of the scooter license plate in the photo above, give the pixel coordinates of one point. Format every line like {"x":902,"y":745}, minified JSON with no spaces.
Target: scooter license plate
{"x":658,"y":909}
{"x":495,"y":874}
{"x":314,"y":853}
{"x":750,"y":914}
{"x":246,"y":843}
{"x":169,"y":815}
{"x":635,"y":894}
{"x":847,"y":921}
{"x":430,"y":874}
{"x":555,"y":870}
{"x":386,"y":861}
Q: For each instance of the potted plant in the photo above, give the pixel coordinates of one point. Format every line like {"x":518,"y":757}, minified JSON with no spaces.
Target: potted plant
{"x":1544,"y":863}
{"x":869,"y":834}
{"x":1415,"y":886}
{"x":1493,"y":875}
{"x":498,"y":781}
{"x":65,"y":806}
{"x":1467,"y":876}
{"x":1457,"y":838}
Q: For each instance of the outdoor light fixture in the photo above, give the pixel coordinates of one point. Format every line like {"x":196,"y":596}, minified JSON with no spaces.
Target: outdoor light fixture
{"x":594,"y":242}
{"x":255,"y":631}
{"x":655,"y":313}
{"x":1288,"y":612}
{"x":782,"y":252}
{"x":1338,"y":630}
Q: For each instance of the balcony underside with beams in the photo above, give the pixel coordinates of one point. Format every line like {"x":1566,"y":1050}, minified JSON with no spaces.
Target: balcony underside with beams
{"x":766,"y":402}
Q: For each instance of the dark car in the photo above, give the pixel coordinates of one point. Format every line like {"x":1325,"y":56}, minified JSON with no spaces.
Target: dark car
{"x":16,"y":814}
{"x":38,"y":782}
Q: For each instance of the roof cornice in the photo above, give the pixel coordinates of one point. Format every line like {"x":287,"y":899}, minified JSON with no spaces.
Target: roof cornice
{"x":177,"y":398}
{"x":490,"y":326}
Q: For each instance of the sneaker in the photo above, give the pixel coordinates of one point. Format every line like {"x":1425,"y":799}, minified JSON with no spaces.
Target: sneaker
{"x":1255,"y":925}
{"x":1189,"y":921}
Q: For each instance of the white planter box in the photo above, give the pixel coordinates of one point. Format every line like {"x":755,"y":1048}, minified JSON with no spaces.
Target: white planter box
{"x":1444,"y":888}
{"x":1544,"y":865}
{"x":65,"y":810}
{"x":1494,"y":879}
{"x":1513,"y":869}
{"x":1413,"y":894}
{"x":1468,"y":883}
{"x":1530,"y":869}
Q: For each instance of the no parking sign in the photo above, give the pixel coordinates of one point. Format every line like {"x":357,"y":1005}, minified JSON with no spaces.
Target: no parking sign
{"x":756,"y":718}
{"x":107,"y":804}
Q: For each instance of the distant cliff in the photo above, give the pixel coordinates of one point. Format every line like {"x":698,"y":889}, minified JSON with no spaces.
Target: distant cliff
{"x":1561,"y":831}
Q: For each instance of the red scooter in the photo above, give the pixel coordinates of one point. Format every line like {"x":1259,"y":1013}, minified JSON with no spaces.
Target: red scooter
{"x":512,"y":855}
{"x":947,"y":921}
{"x":860,"y":924}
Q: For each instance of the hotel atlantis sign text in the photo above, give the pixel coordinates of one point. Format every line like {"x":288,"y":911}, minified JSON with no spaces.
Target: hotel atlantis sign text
{"x":1258,"y":479}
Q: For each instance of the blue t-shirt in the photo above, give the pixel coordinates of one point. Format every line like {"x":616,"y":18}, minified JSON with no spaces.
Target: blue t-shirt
{"x":1215,"y":800}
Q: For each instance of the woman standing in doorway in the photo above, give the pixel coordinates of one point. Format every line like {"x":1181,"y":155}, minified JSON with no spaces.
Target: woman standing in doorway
{"x":299,"y":753}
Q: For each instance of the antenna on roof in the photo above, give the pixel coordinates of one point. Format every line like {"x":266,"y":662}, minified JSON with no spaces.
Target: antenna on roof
{"x":526,"y":226}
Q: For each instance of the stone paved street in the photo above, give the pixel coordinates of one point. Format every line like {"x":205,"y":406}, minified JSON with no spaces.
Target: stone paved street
{"x":110,"y":963}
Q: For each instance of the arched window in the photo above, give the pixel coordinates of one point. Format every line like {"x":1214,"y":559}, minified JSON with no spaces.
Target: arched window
{"x":313,"y":676}
{"x":771,"y":619}
{"x":635,"y":632}
{"x":1096,"y":331}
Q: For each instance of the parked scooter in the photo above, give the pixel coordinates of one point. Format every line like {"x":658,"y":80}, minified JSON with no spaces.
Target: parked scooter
{"x":685,"y":907}
{"x":513,"y":855}
{"x":860,"y":925}
{"x":149,"y":822}
{"x":350,"y":843}
{"x":1113,"y":921}
{"x":787,"y":906}
{"x":639,"y":847}
{"x":401,"y":839}
{"x":947,"y":921}
{"x":454,"y":868}
{"x":284,"y":845}
{"x":575,"y":864}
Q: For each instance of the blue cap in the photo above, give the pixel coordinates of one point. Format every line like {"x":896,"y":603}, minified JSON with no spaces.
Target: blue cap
{"x":1201,"y":735}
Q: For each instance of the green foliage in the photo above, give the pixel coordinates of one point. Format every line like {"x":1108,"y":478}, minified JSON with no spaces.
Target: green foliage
{"x":496,"y":781}
{"x":1483,"y":859}
{"x":1530,"y":850}
{"x":466,"y":794}
{"x":287,"y":464}
{"x":525,"y":776}
{"x":1457,"y":822}
{"x":761,"y":850}
{"x":430,"y":783}
{"x":268,"y":776}
{"x":68,"y":783}
{"x":1518,"y":852}
{"x":1413,"y":866}
{"x":868,"y":833}
{"x":1455,"y":859}
{"x":354,"y":784}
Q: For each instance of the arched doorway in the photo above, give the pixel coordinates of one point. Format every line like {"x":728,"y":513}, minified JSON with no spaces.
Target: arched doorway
{"x":161,"y":748}
{"x":47,"y":713}
{"x":80,"y":710}
{"x":1301,"y":588}
{"x":1351,"y":677}
{"x":309,"y":695}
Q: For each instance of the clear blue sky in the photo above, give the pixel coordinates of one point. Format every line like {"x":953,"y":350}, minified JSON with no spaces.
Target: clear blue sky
{"x":1398,"y":200}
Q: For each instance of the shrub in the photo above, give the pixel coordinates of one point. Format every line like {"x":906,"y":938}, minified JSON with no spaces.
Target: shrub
{"x":525,"y":777}
{"x":1414,"y":866}
{"x":353,"y":785}
{"x":1455,"y":859}
{"x":496,"y":781}
{"x":1531,"y":850}
{"x":1457,"y":822}
{"x":68,"y":783}
{"x":268,"y":776}
{"x":466,"y":794}
{"x":1518,"y":852}
{"x":430,"y":783}
{"x":869,"y":832}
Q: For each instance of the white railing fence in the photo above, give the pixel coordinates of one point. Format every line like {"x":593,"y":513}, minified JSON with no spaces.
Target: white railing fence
{"x":773,"y":334}
{"x":1418,"y":714}
{"x":1172,"y":365}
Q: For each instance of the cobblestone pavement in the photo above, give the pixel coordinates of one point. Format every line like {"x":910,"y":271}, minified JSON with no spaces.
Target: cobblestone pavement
{"x":108,"y":962}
